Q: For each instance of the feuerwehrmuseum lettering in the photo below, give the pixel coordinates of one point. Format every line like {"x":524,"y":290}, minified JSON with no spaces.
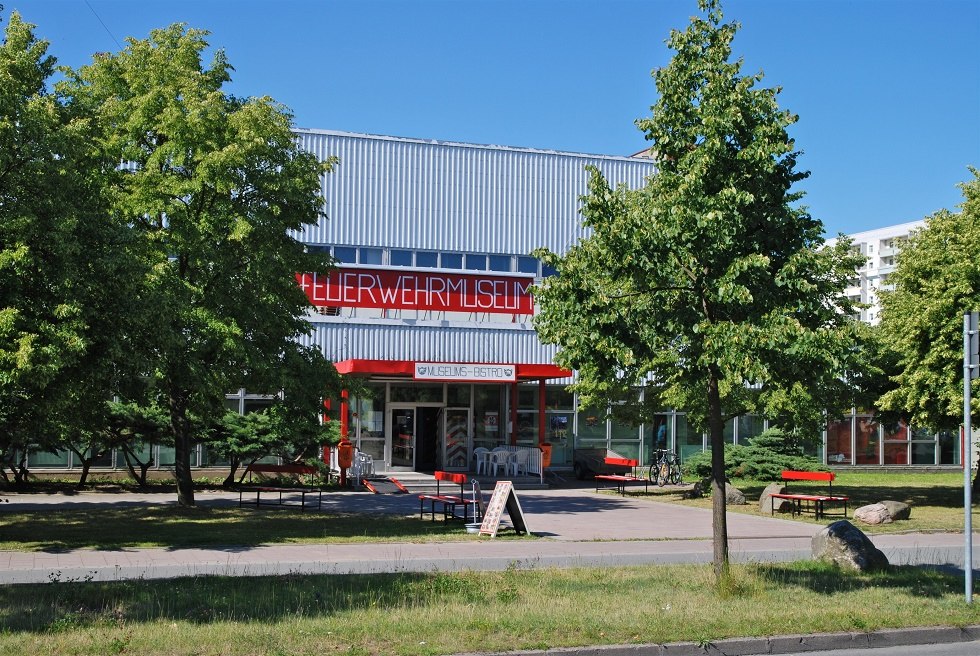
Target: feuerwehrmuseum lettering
{"x":417,"y":290}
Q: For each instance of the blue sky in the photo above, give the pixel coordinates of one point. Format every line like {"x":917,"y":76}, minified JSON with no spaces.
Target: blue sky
{"x":888,"y":91}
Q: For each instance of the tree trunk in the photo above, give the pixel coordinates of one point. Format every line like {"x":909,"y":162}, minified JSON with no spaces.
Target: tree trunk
{"x":719,"y":517}
{"x":183,"y":445}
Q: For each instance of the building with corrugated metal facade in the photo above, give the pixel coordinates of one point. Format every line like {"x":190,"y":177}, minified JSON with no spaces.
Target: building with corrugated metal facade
{"x":431,"y":303}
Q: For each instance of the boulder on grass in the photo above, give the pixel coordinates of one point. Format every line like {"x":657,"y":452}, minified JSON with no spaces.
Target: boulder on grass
{"x":897,"y":510}
{"x":767,"y":504}
{"x":875,"y":513}
{"x":733,"y":495}
{"x":847,"y":546}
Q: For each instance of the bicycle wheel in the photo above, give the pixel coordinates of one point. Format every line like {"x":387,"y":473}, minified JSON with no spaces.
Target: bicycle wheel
{"x":675,"y":473}
{"x":653,"y":474}
{"x":663,"y":474}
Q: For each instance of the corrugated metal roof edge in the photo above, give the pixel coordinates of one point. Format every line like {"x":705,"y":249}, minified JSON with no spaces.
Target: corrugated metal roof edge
{"x":460,"y":144}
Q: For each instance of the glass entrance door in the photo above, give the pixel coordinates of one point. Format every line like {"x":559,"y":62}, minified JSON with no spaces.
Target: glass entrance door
{"x":402,"y":436}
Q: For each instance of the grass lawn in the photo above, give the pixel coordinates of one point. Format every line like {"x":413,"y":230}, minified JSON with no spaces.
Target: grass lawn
{"x":446,"y":613}
{"x":936,"y":499}
{"x":112,"y":527}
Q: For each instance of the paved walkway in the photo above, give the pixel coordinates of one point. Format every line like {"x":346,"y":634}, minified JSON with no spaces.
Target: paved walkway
{"x":576,"y":527}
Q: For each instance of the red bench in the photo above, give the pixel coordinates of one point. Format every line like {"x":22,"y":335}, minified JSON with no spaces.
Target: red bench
{"x":807,"y":502}
{"x":447,"y":502}
{"x":290,"y":491}
{"x":620,"y":481}
{"x":298,"y":470}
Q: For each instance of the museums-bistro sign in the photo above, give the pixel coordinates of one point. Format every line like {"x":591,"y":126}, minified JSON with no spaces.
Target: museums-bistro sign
{"x":419,"y":290}
{"x":472,"y":373}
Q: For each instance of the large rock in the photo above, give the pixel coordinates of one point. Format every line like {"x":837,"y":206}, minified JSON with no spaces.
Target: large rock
{"x":875,"y":513}
{"x":897,"y":510}
{"x":767,"y":504}
{"x":733,"y":495}
{"x":844,"y":544}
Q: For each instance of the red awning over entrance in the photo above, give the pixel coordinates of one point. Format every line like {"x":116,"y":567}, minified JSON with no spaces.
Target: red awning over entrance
{"x":407,"y":368}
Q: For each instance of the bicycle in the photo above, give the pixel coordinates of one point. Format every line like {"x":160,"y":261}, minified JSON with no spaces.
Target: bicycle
{"x":665,"y":468}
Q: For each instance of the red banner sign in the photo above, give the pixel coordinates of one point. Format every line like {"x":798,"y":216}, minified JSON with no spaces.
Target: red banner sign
{"x":419,"y":290}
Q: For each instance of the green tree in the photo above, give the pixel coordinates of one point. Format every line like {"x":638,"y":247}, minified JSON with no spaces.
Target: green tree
{"x":708,"y":285}
{"x":936,"y":281}
{"x":65,"y":266}
{"x":213,"y":186}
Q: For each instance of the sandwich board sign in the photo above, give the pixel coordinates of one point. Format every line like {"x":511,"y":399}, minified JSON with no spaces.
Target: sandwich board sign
{"x":503,"y":497}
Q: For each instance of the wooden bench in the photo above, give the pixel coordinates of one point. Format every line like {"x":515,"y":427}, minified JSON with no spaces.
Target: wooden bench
{"x":295,"y":469}
{"x":302,"y":491}
{"x":810,"y":502}
{"x":620,"y":481}
{"x":447,"y":502}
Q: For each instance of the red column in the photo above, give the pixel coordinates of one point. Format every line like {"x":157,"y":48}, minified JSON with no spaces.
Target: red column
{"x":344,"y":421}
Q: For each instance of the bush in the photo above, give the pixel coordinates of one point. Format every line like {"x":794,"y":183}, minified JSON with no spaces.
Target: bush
{"x":754,"y":461}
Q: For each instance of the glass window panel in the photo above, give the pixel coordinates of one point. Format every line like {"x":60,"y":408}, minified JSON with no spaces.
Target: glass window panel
{"x":749,"y":426}
{"x":499,"y":262}
{"x":427,"y":259}
{"x":103,"y":460}
{"x":419,"y":393}
{"x":867,"y":445}
{"x":166,"y":458}
{"x":401,"y":258}
{"x":949,"y":448}
{"x":839,"y":441}
{"x":620,"y":430}
{"x":257,"y":405}
{"x":923,"y":434}
{"x":897,"y":453}
{"x":345,"y":254}
{"x":527,"y":397}
{"x":451,"y":260}
{"x":689,"y":441}
{"x":370,"y":256}
{"x":40,"y":459}
{"x":559,"y":433}
{"x":371,"y":412}
{"x":547,"y":271}
{"x":476,"y":262}
{"x":527,"y":427}
{"x":591,"y":427}
{"x":924,"y":453}
{"x":656,"y":435}
{"x":458,"y":395}
{"x":556,"y":397}
{"x":627,"y":449}
{"x":730,"y":431}
{"x":488,"y":413}
{"x":895,"y":432}
{"x":526,"y":264}
{"x":317,"y":248}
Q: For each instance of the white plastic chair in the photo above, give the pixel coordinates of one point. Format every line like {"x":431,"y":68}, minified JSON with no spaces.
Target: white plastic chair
{"x":522,"y":456}
{"x":503,"y":459}
{"x":481,"y":455}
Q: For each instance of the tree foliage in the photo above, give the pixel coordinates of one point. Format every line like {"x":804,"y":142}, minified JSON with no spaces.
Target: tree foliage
{"x":710,"y":284}
{"x":764,"y":458}
{"x":65,"y":265}
{"x":936,"y":281}
{"x":213,"y":186}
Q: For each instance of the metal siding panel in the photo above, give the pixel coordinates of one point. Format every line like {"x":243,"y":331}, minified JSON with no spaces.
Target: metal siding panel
{"x":437,"y":196}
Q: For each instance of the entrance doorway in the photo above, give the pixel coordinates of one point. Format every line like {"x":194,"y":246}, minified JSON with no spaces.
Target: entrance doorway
{"x":413,"y":436}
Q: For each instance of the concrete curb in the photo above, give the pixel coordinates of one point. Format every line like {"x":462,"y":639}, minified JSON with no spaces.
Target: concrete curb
{"x":788,"y":644}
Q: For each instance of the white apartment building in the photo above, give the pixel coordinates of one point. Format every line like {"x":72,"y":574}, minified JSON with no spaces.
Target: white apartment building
{"x":880,"y":248}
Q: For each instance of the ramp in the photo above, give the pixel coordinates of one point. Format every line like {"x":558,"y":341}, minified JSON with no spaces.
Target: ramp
{"x":384,"y":485}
